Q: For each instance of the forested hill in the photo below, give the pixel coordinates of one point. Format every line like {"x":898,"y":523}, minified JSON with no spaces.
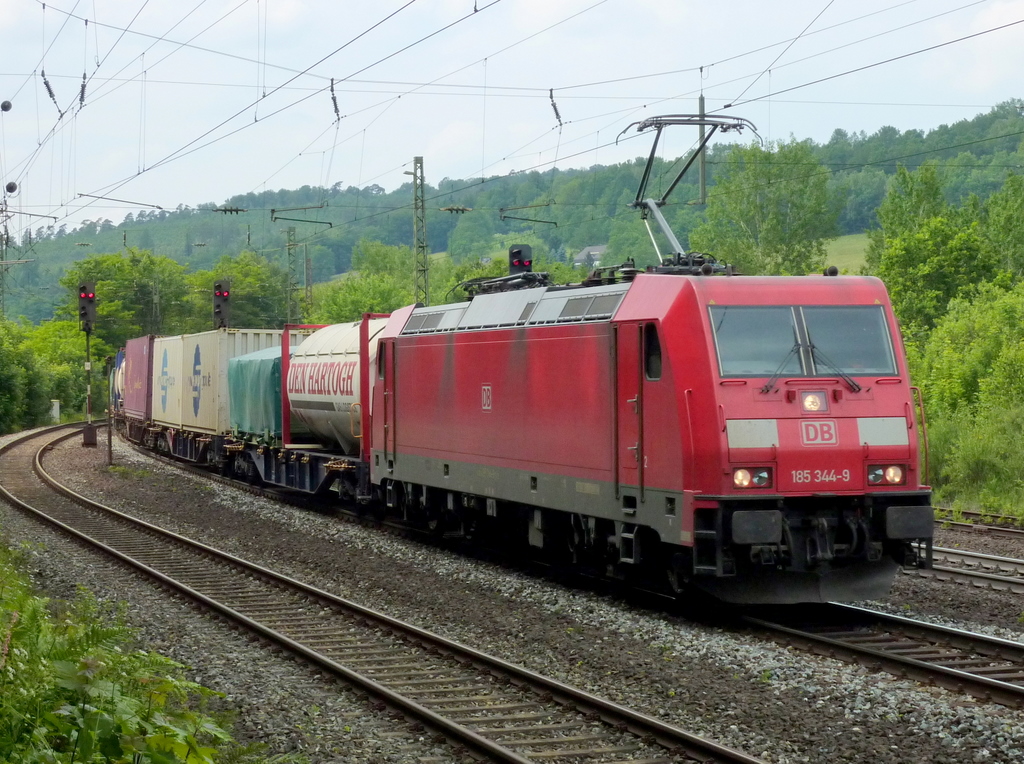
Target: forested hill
{"x":566,"y":209}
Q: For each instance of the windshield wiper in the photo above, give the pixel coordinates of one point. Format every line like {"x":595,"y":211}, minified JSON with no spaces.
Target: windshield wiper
{"x":767,"y":388}
{"x":818,"y":355}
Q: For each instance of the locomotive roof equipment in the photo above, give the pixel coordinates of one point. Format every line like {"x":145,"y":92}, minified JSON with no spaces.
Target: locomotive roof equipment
{"x":693,"y":262}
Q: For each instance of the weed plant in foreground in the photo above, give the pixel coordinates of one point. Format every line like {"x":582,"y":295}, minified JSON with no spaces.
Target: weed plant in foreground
{"x":73,"y":690}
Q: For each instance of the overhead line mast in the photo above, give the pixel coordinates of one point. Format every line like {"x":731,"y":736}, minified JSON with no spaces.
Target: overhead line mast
{"x":419,"y":230}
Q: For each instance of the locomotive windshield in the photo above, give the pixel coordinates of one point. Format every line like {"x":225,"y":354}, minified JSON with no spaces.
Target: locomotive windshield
{"x":805,"y":341}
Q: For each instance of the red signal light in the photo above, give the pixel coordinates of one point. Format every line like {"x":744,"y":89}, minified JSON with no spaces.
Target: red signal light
{"x":520,"y":259}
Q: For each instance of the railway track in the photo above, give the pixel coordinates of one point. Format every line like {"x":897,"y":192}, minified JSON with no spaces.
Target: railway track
{"x":982,"y":523}
{"x":498,"y":711}
{"x":984,"y":571}
{"x":982,"y":518}
{"x":985,"y":667}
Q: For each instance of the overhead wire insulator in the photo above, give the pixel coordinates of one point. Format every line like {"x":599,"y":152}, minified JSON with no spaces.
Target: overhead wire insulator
{"x":49,"y":89}
{"x":334,"y":99}
{"x":81,"y":93}
{"x":551,"y":95}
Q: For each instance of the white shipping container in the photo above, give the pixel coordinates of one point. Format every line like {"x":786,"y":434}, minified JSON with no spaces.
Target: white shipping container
{"x":190,"y":376}
{"x":166,"y":387}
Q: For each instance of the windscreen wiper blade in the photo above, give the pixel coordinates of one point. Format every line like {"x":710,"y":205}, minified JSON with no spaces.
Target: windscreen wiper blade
{"x":770,"y":384}
{"x":819,"y":355}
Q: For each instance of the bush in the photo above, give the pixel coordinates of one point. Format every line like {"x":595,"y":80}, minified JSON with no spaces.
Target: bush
{"x":981,"y":460}
{"x":71,"y":691}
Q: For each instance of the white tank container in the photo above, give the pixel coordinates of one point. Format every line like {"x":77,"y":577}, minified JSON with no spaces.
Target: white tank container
{"x":323,"y":382}
{"x":118,"y":390}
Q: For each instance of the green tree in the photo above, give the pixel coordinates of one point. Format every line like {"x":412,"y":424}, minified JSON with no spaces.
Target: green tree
{"x":770,"y":211}
{"x":472,"y":236}
{"x":630,"y":240}
{"x":912,"y":198}
{"x":59,"y":349}
{"x":975,"y":347}
{"x":26,"y":383}
{"x":972,"y":373}
{"x":1003,"y":229}
{"x":137,"y":293}
{"x":348,"y":298}
{"x":259,"y":294}
{"x":447,"y":278}
{"x":926,"y":268}
{"x":13,"y":378}
{"x":384,"y":281}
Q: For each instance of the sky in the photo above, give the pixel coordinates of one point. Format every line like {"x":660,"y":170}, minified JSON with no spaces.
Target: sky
{"x":190,"y":103}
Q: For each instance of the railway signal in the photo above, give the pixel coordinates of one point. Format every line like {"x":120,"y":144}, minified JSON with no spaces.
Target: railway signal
{"x":520,"y":259}
{"x":87,"y":319}
{"x":221,"y":303}
{"x":87,"y":305}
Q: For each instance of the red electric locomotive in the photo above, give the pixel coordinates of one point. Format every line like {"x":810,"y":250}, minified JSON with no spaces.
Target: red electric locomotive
{"x":753,"y":437}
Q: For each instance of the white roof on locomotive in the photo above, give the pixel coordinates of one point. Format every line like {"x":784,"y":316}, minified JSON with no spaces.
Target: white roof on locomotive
{"x":525,"y":307}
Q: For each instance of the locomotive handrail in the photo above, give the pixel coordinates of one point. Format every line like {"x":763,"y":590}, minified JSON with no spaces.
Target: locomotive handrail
{"x":352,"y":420}
{"x":919,"y":401}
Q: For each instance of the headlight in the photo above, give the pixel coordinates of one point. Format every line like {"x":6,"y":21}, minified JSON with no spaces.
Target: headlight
{"x":894,"y":474}
{"x":887,"y":474}
{"x":814,"y":402}
{"x":753,"y":477}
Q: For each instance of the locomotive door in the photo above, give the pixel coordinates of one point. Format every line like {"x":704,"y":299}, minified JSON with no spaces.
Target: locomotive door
{"x":629,"y":413}
{"x":389,"y":414}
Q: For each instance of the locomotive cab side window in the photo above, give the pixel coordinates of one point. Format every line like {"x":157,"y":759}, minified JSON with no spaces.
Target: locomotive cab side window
{"x":381,"y":351}
{"x":802,"y":341}
{"x":652,"y":352}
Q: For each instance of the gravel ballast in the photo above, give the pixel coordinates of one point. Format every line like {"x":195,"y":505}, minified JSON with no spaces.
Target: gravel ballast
{"x":780,"y":704}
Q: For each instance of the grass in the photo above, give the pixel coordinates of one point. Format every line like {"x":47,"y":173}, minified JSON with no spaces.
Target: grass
{"x":847,"y":252}
{"x":129,"y":472}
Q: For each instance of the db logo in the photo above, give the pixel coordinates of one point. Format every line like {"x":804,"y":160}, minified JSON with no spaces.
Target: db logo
{"x":821,"y":432}
{"x":486,"y":401}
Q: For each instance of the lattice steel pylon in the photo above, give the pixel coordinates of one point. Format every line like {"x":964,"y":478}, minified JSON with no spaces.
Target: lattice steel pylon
{"x":5,"y":264}
{"x":293,"y":277}
{"x":419,"y":230}
{"x":3,"y":258}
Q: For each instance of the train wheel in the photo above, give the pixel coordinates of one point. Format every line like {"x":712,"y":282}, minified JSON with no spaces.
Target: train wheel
{"x":435,"y":521}
{"x":678,"y":573}
{"x":577,"y":541}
